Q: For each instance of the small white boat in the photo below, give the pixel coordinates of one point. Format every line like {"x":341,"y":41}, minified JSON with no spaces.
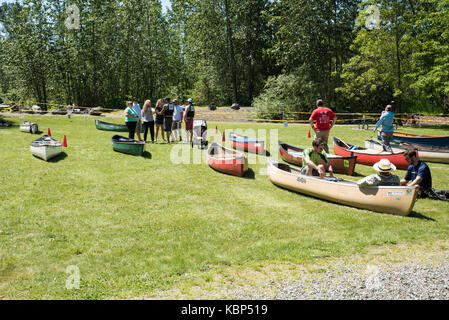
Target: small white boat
{"x":30,"y":127}
{"x":46,"y":147}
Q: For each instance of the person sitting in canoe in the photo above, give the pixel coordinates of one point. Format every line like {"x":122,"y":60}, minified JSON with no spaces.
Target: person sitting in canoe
{"x":384,"y":177}
{"x":314,"y":160}
{"x":419,"y":174}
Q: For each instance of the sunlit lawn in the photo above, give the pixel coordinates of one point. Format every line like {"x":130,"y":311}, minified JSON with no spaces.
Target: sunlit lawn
{"x":134,"y":225}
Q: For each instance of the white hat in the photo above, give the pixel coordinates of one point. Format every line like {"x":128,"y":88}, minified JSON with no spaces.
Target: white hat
{"x":384,"y":165}
{"x":189,"y":100}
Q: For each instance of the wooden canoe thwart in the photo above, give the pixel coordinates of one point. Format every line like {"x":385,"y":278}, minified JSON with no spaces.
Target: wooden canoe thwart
{"x":127,"y":145}
{"x":226,"y":160}
{"x":106,"y":126}
{"x":397,"y":200}
{"x":428,"y":140}
{"x":369,"y":157}
{"x":46,"y":147}
{"x":426,"y":153}
{"x":30,"y":127}
{"x":293,"y":155}
{"x":246,"y":144}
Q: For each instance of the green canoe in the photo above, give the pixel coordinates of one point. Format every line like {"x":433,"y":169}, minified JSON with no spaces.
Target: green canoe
{"x":127,"y":145}
{"x":101,"y":125}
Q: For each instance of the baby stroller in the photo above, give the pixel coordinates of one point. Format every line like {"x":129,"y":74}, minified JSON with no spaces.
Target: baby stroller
{"x":199,"y":133}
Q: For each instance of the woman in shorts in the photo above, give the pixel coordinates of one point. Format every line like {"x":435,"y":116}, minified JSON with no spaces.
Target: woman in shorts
{"x":159,"y":119}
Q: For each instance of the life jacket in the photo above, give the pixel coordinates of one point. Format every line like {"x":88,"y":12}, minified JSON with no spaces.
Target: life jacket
{"x":191,"y":112}
{"x":169,"y":111}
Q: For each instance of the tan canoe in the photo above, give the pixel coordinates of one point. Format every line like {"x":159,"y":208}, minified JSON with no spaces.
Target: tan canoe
{"x":394,"y":200}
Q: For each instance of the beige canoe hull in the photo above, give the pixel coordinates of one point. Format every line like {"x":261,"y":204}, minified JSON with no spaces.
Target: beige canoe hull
{"x":397,"y":200}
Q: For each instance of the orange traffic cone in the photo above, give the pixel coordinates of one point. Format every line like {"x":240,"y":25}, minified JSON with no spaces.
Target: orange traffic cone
{"x":216,"y":129}
{"x":49,"y":132}
{"x":223,"y":138}
{"x":308,"y":134}
{"x":64,"y":142}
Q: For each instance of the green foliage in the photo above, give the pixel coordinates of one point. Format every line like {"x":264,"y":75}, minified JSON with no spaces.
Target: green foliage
{"x":404,"y":59}
{"x":286,"y":92}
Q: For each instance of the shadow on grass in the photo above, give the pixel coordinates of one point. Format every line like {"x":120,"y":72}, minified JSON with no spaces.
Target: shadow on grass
{"x":356,"y":174}
{"x":250,"y":174}
{"x":58,"y":158}
{"x":146,"y":155}
{"x":412,"y":214}
{"x":266,"y":153}
{"x":417,"y":215}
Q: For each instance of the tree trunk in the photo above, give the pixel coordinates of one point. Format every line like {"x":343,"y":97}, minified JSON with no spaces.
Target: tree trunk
{"x":231,"y":53}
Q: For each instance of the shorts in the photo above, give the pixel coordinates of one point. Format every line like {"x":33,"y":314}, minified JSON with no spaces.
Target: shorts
{"x":189,"y":124}
{"x":167,"y":123}
{"x":138,"y":126}
{"x":159,"y":120}
{"x":176,"y":125}
{"x":323,"y":135}
{"x":314,"y":172}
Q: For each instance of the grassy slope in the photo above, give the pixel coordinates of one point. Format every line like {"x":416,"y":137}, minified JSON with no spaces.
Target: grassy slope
{"x":135,"y":225}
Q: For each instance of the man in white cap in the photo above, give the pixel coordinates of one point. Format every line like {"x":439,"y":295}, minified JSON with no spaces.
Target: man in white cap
{"x":177,"y":119}
{"x":189,"y":114}
{"x":383,"y":178}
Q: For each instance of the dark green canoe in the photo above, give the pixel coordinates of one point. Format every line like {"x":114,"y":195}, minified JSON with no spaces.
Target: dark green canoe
{"x":101,"y":125}
{"x":127,"y":145}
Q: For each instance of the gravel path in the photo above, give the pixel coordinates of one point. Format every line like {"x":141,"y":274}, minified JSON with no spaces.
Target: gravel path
{"x":403,"y":283}
{"x":406,"y":273}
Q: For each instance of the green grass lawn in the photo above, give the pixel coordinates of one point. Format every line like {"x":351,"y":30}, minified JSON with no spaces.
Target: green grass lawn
{"x":136,"y":225}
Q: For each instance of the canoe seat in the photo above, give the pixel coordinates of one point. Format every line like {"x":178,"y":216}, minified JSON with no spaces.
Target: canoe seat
{"x":284,"y":167}
{"x":353,"y":147}
{"x":295,"y":154}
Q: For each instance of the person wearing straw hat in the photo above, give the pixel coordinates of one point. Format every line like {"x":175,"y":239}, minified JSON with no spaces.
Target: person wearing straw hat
{"x":384,"y":177}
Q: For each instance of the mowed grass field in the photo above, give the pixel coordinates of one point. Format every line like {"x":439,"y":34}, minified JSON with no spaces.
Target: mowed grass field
{"x":136,"y":225}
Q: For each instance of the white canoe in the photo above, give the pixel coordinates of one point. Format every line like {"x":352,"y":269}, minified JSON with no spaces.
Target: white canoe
{"x":397,"y":200}
{"x":426,"y":153}
{"x":46,"y":147}
{"x":29,"y":127}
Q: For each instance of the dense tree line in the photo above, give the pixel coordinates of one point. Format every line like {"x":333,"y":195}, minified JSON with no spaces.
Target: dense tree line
{"x":275,"y":55}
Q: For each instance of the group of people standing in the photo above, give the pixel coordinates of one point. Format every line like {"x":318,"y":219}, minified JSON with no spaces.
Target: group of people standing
{"x":167,"y":117}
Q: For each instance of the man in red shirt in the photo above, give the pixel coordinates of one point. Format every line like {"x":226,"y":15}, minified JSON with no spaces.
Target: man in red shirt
{"x":325,"y":119}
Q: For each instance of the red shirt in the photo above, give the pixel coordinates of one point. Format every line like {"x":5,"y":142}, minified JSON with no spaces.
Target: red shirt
{"x":322,"y":116}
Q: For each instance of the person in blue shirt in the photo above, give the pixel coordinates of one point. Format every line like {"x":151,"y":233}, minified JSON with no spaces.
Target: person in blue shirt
{"x":419,"y":174}
{"x":386,"y":120}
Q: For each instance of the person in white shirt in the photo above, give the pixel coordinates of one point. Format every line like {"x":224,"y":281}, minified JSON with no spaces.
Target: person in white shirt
{"x":137,"y":109}
{"x":177,"y":118}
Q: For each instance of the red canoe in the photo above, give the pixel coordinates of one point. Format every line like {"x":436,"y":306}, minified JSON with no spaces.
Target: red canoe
{"x":344,"y":165}
{"x":369,"y":157}
{"x":246,"y":144}
{"x":226,"y":160}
